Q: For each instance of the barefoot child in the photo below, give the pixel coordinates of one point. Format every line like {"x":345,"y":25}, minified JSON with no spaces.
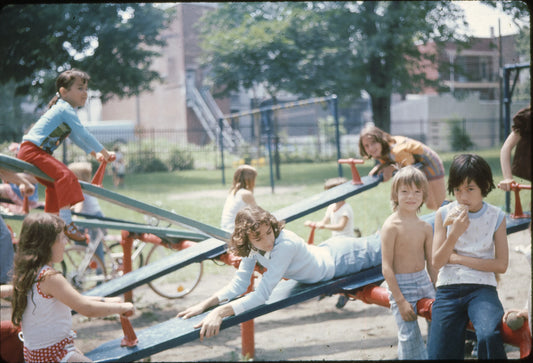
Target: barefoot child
{"x":48,"y":133}
{"x":406,"y":259}
{"x":42,"y":297}
{"x":468,"y":251}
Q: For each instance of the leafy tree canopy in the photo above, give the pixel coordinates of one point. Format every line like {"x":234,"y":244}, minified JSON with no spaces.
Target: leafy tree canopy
{"x":114,"y":43}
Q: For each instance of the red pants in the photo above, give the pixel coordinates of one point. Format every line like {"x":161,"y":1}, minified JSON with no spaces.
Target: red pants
{"x":11,"y":348}
{"x":65,"y":191}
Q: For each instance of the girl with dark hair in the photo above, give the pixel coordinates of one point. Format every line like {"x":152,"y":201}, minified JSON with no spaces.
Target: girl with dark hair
{"x":43,"y":298}
{"x":259,"y":238}
{"x":48,"y":133}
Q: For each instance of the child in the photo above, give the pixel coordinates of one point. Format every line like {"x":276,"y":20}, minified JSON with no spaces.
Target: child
{"x":406,"y":259}
{"x":260,"y":238}
{"x":48,"y":133}
{"x":43,"y":299}
{"x":468,"y":254}
{"x":339,"y":216}
{"x":390,"y":150}
{"x":521,"y":138}
{"x":240,"y":195}
{"x":90,"y":206}
{"x":119,"y":168}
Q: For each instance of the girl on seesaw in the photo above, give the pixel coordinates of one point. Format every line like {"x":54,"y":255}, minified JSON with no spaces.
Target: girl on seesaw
{"x":240,"y":195}
{"x":48,"y":133}
{"x":42,"y":297}
{"x":260,"y":238}
{"x":401,"y":151}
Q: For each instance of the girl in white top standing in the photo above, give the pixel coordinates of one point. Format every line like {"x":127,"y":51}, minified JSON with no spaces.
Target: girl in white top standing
{"x":240,"y":195}
{"x":43,"y":298}
{"x":468,"y":254}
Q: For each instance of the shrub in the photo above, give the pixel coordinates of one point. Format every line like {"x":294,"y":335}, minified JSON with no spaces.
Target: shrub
{"x":180,"y":160}
{"x":146,"y":162}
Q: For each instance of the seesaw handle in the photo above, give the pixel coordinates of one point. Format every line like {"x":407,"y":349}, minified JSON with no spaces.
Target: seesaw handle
{"x":356,"y":178}
{"x":98,"y":177}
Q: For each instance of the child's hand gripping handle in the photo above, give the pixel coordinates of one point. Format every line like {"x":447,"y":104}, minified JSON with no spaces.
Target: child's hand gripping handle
{"x":98,"y":177}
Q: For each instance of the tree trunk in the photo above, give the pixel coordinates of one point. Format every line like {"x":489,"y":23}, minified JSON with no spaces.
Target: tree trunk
{"x":381,"y":112}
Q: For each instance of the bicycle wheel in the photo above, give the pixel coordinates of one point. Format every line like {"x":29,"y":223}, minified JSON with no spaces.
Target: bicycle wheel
{"x":93,"y":275}
{"x":176,"y":284}
{"x":115,"y":264}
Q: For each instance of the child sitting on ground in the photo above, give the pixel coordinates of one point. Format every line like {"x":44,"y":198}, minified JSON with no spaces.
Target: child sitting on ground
{"x":406,"y":259}
{"x":42,"y":297}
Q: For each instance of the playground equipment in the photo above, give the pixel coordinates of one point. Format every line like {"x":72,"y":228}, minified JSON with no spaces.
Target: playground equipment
{"x":176,"y":331}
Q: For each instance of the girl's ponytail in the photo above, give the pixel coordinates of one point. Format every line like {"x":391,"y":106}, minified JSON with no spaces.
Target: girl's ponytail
{"x":54,"y":99}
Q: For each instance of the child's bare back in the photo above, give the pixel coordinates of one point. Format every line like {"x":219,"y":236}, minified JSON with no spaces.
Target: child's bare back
{"x":409,"y":236}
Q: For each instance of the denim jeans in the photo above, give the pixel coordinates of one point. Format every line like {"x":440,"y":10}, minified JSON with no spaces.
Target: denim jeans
{"x":353,"y":254}
{"x":454,"y":306}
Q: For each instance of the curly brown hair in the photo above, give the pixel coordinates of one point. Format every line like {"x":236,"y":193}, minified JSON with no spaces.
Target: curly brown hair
{"x":247,"y":221}
{"x":34,"y":250}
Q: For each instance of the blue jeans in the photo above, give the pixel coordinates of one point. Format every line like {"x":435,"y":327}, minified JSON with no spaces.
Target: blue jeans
{"x":6,"y":253}
{"x":454,"y":306}
{"x":353,"y":254}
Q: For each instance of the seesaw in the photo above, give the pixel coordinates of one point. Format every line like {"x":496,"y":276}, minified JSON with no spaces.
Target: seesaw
{"x":213,"y":248}
{"x":17,"y":165}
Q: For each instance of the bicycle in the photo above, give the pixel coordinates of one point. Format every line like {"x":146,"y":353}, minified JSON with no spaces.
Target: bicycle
{"x":85,"y":270}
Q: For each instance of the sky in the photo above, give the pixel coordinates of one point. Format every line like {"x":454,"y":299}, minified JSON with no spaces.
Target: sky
{"x":481,"y":17}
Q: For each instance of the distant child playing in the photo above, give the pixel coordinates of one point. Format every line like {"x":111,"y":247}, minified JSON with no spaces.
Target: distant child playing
{"x":468,"y":251}
{"x":390,"y":151}
{"x":339,"y":215}
{"x":48,"y":133}
{"x":406,"y":259}
{"x":42,"y":297}
{"x":240,"y":195}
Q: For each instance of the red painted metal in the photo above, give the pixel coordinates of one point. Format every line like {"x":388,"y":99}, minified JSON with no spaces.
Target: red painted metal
{"x":518,"y":213}
{"x":130,"y":338}
{"x":356,"y":178}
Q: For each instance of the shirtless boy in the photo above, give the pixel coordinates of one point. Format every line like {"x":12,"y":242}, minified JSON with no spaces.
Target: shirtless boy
{"x":406,"y":259}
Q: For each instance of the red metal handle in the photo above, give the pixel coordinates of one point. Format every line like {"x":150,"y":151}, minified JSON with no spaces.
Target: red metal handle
{"x":356,"y":178}
{"x":130,"y":338}
{"x":98,"y":177}
{"x":518,"y":213}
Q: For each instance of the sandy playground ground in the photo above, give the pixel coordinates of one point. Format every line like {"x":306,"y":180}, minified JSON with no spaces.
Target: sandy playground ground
{"x":313,"y":330}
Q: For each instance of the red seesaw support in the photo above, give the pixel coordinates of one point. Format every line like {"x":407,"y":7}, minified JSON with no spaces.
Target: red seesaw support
{"x":518,"y":213}
{"x":373,"y":294}
{"x":98,"y":177}
{"x":130,"y":338}
{"x":356,"y":178}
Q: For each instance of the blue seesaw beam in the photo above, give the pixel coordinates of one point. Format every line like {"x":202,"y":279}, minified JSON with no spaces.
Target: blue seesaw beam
{"x":177,"y":331}
{"x":17,"y":165}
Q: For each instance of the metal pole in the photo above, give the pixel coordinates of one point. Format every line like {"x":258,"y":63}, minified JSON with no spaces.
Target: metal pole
{"x":507,"y":127}
{"x":268,"y":127}
{"x":334,"y":104}
{"x":221,"y":142}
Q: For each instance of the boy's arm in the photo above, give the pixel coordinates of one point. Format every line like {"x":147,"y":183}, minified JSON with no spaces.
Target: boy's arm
{"x":443,"y":242}
{"x":498,"y":264}
{"x":388,"y":240}
{"x":428,"y":249}
{"x":339,"y":226}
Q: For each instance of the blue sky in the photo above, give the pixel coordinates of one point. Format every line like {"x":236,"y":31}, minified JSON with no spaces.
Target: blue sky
{"x":481,"y":17}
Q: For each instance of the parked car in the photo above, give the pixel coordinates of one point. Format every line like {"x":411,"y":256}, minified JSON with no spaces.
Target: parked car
{"x":112,"y":131}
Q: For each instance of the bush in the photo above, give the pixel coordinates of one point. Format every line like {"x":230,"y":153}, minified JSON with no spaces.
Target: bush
{"x":180,"y":160}
{"x":460,"y":140}
{"x":146,"y":162}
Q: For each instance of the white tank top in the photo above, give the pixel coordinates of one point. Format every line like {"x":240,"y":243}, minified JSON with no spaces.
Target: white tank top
{"x":46,"y":321}
{"x":233,"y":205}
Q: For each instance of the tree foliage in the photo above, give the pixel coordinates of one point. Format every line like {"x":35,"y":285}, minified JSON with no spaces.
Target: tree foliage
{"x":323,"y":48}
{"x":114,"y":43}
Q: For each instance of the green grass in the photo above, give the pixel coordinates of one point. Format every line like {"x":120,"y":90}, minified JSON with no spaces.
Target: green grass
{"x":371,"y":207}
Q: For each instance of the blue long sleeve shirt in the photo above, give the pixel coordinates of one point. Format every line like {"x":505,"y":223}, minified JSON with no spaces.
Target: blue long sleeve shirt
{"x":56,"y":124}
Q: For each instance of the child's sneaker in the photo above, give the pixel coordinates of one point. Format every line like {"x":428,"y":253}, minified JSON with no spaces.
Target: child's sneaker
{"x":72,"y":232}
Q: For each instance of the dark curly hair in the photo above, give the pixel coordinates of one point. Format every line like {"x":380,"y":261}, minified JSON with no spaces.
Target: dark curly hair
{"x":248,"y":220}
{"x":34,"y":250}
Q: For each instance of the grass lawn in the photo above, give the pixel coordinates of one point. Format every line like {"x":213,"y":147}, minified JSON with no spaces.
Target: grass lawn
{"x":199,"y":194}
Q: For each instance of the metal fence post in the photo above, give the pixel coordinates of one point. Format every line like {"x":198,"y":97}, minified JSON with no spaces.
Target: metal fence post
{"x":221,"y":141}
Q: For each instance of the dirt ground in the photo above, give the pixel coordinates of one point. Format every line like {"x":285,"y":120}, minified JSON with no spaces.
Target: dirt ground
{"x":314,"y":330}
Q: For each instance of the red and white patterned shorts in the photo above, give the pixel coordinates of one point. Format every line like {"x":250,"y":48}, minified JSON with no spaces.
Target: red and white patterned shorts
{"x":53,"y":353}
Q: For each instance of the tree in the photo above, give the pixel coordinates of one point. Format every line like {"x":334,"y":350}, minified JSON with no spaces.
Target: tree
{"x":321,"y":48}
{"x":114,"y":43}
